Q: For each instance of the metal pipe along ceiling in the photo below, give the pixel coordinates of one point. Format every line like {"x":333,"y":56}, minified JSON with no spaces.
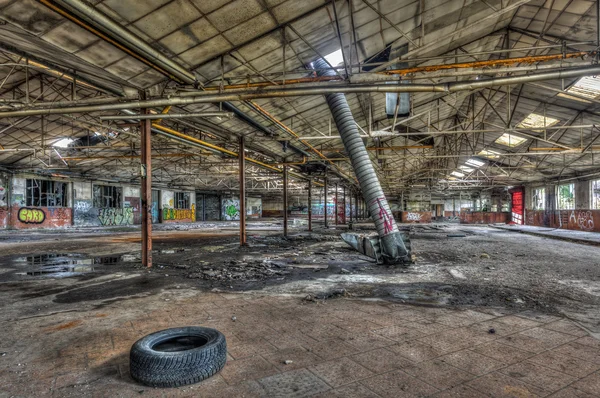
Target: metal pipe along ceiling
{"x":202,"y":97}
{"x":107,"y":26}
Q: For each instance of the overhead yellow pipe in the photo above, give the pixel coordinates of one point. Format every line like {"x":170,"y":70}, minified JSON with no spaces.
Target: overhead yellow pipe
{"x":166,"y":155}
{"x":164,"y":112}
{"x":212,"y":146}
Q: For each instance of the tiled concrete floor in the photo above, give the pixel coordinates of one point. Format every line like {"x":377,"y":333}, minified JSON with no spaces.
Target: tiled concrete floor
{"x":339,"y":348}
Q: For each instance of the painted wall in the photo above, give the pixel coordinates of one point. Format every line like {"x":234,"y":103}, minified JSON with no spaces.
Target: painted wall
{"x":483,"y":217}
{"x":132,"y":200}
{"x":28,"y":217}
{"x":86,"y":215}
{"x":171,"y":215}
{"x":416,"y":216}
{"x":230,"y":209}
{"x":582,"y":218}
{"x":254,"y":207}
{"x":4,"y":195}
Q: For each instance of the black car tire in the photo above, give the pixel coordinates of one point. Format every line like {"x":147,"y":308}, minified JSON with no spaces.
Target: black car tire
{"x":177,"y":357}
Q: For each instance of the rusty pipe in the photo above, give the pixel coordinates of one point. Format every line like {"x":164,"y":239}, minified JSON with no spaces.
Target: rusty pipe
{"x":278,"y":92}
{"x":406,"y":71}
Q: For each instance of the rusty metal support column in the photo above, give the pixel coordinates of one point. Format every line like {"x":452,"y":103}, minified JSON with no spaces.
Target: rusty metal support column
{"x":325,"y":201}
{"x":146,"y":182}
{"x":310,"y":205}
{"x":285,"y":201}
{"x":356,"y":206}
{"x":336,"y":204}
{"x":344,"y":205}
{"x":350,"y":200}
{"x":242,"y":160}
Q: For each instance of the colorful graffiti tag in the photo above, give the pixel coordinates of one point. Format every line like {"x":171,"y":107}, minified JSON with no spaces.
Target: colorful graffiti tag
{"x":114,"y":216}
{"x":231,"y":209}
{"x":30,"y":215}
{"x":180,"y":214}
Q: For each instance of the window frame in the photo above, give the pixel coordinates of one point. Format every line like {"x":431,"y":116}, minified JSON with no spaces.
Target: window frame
{"x":182,"y":200}
{"x":542,"y":198}
{"x":111,"y":196}
{"x":46,"y":193}
{"x":595,"y":202}
{"x":560,"y":201}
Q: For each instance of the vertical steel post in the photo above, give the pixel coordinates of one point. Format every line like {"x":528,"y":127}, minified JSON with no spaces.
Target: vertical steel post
{"x":336,"y":204}
{"x":146,"y":181}
{"x":344,"y":205}
{"x":350,"y":202}
{"x":325,"y":201}
{"x":242,"y":160}
{"x":285,"y":201}
{"x":310,"y":205}
{"x":356,"y":206}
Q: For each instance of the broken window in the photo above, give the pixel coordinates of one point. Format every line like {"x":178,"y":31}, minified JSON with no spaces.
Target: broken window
{"x":566,"y":196}
{"x":596,"y":195}
{"x":182,"y":200}
{"x":107,"y":196}
{"x":538,"y":199}
{"x":44,"y":193}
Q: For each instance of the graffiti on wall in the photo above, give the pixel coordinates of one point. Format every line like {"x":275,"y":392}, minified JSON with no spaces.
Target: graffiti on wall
{"x":180,"y":214}
{"x":584,"y":220}
{"x":84,"y":213}
{"x":2,"y":196}
{"x":114,"y":216}
{"x":29,"y":215}
{"x":410,"y":216}
{"x":231,"y":209}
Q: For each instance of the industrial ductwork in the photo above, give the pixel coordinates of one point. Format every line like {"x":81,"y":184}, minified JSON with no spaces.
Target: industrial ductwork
{"x":390,"y":246}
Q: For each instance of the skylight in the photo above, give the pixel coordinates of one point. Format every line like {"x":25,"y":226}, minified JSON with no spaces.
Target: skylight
{"x":466,"y":169}
{"x":567,"y":96}
{"x":587,"y":86}
{"x":474,"y":162}
{"x":457,"y":174}
{"x":488,"y":153}
{"x":510,"y":140}
{"x":335,"y":58}
{"x":63,"y":143}
{"x":535,"y":120}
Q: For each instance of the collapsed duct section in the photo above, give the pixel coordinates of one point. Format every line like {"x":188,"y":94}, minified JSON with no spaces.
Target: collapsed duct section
{"x":390,"y":246}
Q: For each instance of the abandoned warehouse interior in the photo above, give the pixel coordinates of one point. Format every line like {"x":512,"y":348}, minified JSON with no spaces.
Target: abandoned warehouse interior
{"x":351,"y":198}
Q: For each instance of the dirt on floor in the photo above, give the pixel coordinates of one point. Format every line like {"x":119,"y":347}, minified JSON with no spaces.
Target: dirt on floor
{"x":454,"y":265}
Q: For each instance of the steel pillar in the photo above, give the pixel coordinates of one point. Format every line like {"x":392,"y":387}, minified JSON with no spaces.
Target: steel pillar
{"x":242,"y":168}
{"x":310,"y":205}
{"x":344,"y":205}
{"x":336,"y":204}
{"x":325,"y":201}
{"x":146,"y":181}
{"x":285,"y":201}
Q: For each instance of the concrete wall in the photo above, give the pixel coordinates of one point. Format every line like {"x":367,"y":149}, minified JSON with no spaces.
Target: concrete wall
{"x":27,"y":217}
{"x":4,"y":199}
{"x":170,"y":214}
{"x":230,"y":208}
{"x":581,"y":218}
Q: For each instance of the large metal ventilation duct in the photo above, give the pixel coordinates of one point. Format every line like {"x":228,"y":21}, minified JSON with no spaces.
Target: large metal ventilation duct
{"x":390,"y":243}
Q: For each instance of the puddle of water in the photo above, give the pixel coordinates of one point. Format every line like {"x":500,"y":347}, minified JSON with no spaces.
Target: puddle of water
{"x":61,"y":264}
